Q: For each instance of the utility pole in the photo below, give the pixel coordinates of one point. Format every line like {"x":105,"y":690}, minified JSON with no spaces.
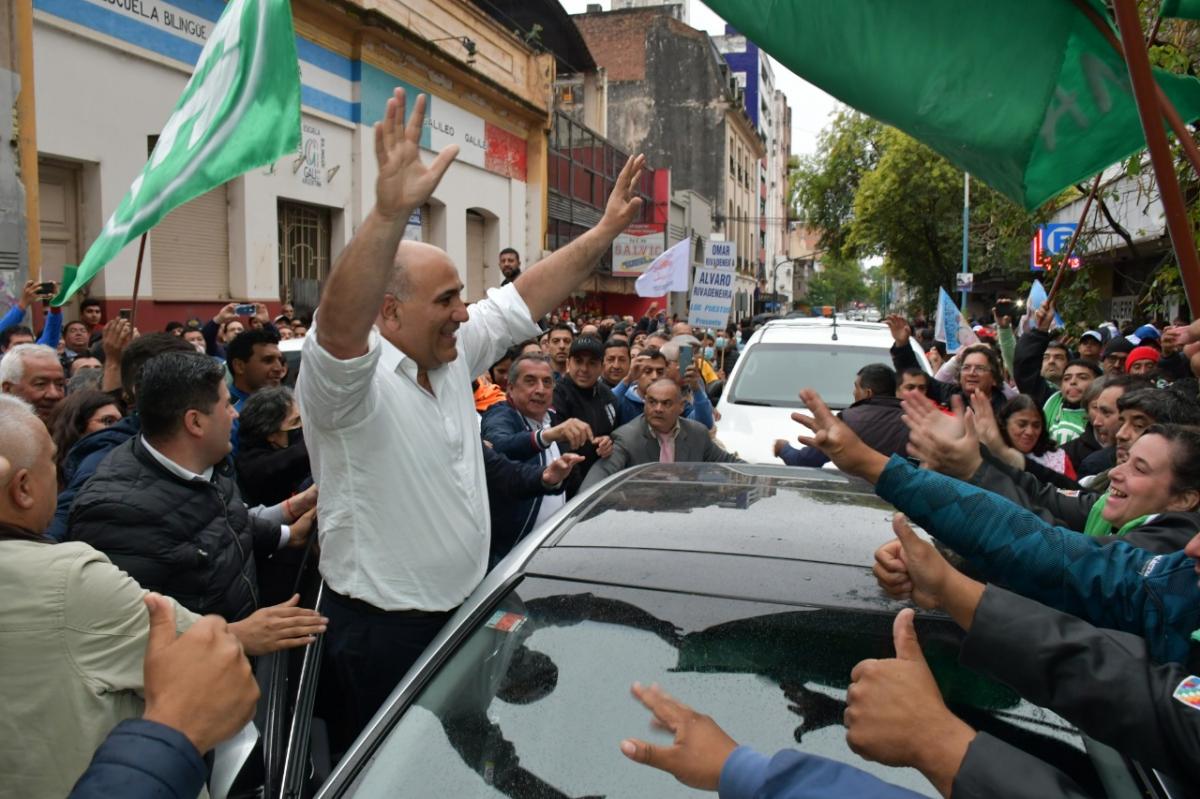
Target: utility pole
{"x":20,"y":237}
{"x":966,"y":227}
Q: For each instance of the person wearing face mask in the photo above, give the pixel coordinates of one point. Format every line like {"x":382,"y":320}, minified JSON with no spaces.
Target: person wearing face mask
{"x":272,"y":463}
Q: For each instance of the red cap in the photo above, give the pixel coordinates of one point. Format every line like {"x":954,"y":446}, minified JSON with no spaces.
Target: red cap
{"x":1141,"y":354}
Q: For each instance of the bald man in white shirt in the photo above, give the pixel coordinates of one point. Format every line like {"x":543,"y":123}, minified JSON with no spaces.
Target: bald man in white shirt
{"x":390,"y":420}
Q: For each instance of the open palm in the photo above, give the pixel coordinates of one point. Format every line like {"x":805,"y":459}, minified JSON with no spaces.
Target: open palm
{"x":404,"y":183}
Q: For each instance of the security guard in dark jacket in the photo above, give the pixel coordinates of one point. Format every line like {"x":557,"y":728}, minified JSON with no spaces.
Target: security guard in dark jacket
{"x":164,"y":506}
{"x":581,"y":394}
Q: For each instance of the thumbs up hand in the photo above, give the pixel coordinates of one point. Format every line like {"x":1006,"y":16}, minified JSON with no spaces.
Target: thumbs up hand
{"x":895,"y":714}
{"x":200,"y":683}
{"x":909,"y":567}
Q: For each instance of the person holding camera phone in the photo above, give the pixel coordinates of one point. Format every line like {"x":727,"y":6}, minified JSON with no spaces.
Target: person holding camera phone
{"x":12,"y":332}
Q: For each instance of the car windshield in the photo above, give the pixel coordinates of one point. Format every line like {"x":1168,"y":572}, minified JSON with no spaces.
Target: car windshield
{"x":773,"y":374}
{"x":535,"y":701}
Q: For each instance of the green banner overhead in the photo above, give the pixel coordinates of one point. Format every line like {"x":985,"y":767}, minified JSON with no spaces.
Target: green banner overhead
{"x":1184,"y":9}
{"x":1027,"y":95}
{"x":240,"y":110}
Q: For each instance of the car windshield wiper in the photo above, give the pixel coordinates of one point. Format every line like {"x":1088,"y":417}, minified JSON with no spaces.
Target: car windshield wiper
{"x":753,"y":402}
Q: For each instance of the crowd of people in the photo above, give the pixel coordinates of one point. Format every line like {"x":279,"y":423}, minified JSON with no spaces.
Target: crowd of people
{"x":172,"y":484}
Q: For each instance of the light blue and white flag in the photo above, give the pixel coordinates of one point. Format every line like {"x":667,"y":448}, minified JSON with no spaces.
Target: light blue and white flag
{"x":1037,"y":296}
{"x":950,"y":326}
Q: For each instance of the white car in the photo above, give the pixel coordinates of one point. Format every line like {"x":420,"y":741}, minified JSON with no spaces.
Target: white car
{"x":783,"y":357}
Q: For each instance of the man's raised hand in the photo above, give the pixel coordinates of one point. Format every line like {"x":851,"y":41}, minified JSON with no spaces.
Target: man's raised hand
{"x":623,"y":203}
{"x":404,"y":183}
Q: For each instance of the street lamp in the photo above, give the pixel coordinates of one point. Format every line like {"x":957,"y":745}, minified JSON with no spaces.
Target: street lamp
{"x":779,"y":261}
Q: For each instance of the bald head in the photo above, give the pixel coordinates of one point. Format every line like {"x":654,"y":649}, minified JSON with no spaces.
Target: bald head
{"x":423,"y":307}
{"x":19,"y":441}
{"x":416,"y":260}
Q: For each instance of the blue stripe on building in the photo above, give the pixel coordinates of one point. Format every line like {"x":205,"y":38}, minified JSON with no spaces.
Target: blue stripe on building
{"x":121,"y":27}
{"x":327,"y":103}
{"x":325,"y":59}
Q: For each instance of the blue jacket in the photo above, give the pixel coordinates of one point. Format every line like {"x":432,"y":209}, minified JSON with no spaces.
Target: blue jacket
{"x":511,"y":437}
{"x":143,"y":760}
{"x":51,"y":333}
{"x":791,"y":774}
{"x":630,"y":406}
{"x":81,"y":464}
{"x":1111,"y":585}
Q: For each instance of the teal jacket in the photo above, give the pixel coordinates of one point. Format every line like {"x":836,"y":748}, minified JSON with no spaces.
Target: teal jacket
{"x":1111,"y":585}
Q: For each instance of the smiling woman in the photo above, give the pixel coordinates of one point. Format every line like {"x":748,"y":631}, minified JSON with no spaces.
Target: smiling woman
{"x":1161,"y":475}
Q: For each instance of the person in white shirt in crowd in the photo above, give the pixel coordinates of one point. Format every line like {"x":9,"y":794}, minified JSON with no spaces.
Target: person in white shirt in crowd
{"x":390,"y":419}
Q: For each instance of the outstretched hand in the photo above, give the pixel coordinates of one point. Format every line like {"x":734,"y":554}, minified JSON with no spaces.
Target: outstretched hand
{"x":623,"y":203}
{"x":943,"y":443}
{"x":833,"y":437}
{"x":404,"y":183}
{"x":899,"y":327}
{"x":700,"y":748}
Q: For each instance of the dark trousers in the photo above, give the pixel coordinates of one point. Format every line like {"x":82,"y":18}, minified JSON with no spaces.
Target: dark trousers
{"x":370,"y":650}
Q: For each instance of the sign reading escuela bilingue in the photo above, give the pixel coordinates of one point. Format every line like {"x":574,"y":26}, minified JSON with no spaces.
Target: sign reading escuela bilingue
{"x":713,"y":286}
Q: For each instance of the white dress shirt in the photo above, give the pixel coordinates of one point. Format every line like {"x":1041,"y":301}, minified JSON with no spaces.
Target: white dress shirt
{"x":403,"y":503}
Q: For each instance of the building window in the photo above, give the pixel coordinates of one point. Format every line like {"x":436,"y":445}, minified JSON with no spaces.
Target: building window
{"x":304,"y":251}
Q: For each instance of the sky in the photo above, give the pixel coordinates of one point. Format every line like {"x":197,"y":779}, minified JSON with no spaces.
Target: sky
{"x":810,"y":106}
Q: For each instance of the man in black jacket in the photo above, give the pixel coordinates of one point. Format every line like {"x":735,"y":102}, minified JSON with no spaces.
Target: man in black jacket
{"x":90,"y":450}
{"x":874,"y":416}
{"x":580,"y":394}
{"x":164,"y":505}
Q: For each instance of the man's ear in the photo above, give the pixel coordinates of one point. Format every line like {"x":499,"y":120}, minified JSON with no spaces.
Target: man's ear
{"x":192,"y":424}
{"x":19,"y":490}
{"x":237,"y":367}
{"x":389,"y":313}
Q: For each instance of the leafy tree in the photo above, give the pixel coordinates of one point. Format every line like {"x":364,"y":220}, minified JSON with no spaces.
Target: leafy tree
{"x":838,"y":283}
{"x":824,"y":185}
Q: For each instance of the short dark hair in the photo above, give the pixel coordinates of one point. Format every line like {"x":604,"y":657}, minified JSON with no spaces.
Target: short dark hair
{"x":172,"y":384}
{"x":1092,"y":366}
{"x":74,"y":322}
{"x":1058,"y":345}
{"x":518,"y":364}
{"x":914,"y":370}
{"x":562,"y":326}
{"x":243,"y":344}
{"x":89,"y":302}
{"x":264,"y":413}
{"x":1185,"y":456}
{"x":878,"y":378}
{"x":1164,"y":406}
{"x":6,"y":336}
{"x":508,"y":250}
{"x":172,"y":326}
{"x":653,"y":354}
{"x":142,"y":349}
{"x":616,"y":344}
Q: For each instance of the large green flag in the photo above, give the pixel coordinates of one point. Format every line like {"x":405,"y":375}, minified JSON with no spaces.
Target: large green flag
{"x":1026,"y":94}
{"x":241,"y":109}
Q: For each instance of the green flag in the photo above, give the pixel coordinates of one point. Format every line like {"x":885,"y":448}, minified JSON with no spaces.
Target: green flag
{"x":1184,"y":9}
{"x":241,"y":109}
{"x":1025,"y":94}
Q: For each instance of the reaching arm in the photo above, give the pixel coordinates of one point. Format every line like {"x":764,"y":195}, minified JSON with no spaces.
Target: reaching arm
{"x":547,"y":283}
{"x":356,"y":286}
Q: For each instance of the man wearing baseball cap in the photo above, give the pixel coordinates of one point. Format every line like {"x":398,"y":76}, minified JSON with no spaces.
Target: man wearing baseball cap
{"x":1090,"y":345}
{"x":581,"y":394}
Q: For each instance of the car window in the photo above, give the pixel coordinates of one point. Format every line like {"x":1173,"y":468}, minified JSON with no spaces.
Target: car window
{"x":535,"y":702}
{"x":773,"y":374}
